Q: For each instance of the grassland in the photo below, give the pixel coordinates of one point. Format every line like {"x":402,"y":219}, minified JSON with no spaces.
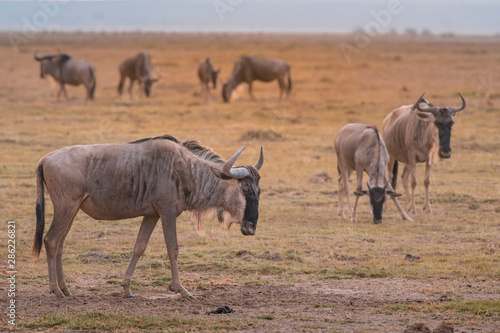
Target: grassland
{"x":306,"y":269}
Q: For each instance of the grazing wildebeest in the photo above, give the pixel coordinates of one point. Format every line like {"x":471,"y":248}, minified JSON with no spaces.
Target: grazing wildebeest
{"x":414,"y":134}
{"x":207,"y":74}
{"x":361,"y":148}
{"x":154,"y":178}
{"x":250,"y":68}
{"x":137,"y":68}
{"x":66,"y":70}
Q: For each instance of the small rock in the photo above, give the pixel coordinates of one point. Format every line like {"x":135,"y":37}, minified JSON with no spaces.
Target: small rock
{"x":222,"y":310}
{"x":320,"y":177}
{"x":411,"y":257}
{"x":417,"y":328}
{"x":317,"y":156}
{"x":444,"y":328}
{"x":444,"y":298}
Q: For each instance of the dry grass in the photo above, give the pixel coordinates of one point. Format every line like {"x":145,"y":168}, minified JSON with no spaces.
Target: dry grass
{"x":299,"y":236}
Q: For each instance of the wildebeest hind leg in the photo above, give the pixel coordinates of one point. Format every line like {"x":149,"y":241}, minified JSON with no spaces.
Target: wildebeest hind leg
{"x":282,"y":86}
{"x":59,"y":268}
{"x":61,"y":223}
{"x":147,"y":226}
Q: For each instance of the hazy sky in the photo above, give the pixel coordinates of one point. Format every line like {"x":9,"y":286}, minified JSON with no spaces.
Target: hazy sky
{"x":439,"y":16}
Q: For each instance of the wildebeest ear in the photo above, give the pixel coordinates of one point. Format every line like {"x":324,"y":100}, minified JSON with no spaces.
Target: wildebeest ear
{"x":219,"y":174}
{"x":393,"y":194}
{"x":425,"y":116}
{"x":360,"y":193}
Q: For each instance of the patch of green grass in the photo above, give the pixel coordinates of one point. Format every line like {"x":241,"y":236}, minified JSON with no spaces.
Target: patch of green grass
{"x":481,"y":308}
{"x":267,"y":316}
{"x":98,"y":321}
{"x":113,"y":282}
{"x":324,"y":305}
{"x":259,"y":282}
{"x":102,"y":321}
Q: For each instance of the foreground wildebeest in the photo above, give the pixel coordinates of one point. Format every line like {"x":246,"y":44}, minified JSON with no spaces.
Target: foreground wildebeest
{"x":207,"y":74}
{"x":137,"y":68}
{"x":414,"y":134}
{"x":250,"y":68}
{"x":361,"y":148}
{"x":154,"y":178}
{"x":66,"y":70}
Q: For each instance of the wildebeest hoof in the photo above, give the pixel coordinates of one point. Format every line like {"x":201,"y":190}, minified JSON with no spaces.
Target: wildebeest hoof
{"x":62,"y":296}
{"x":129,"y":296}
{"x":190,"y":297}
{"x":377,"y":221}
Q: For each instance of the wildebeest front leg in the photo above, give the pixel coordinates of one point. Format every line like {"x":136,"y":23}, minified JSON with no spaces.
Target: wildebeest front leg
{"x":411,"y":170}
{"x":130,"y":87}
{"x":168,"y":222}
{"x":341,"y":192}
{"x":147,"y":226}
{"x":359,"y":188}
{"x":427,"y":182}
{"x":401,"y":211}
{"x":250,"y":91}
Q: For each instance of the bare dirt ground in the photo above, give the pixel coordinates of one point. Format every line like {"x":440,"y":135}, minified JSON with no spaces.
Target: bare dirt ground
{"x":358,"y":305}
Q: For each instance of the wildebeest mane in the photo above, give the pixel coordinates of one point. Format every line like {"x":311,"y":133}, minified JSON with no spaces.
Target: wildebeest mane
{"x":204,"y":152}
{"x":192,"y":145}
{"x":63,"y":57}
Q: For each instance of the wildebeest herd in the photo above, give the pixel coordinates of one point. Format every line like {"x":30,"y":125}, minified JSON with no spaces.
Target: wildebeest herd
{"x":160,"y":177}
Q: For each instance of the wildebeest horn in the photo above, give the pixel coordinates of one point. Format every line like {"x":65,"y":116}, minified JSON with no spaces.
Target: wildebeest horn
{"x":460,"y":108}
{"x":258,"y":165}
{"x":432,"y":109}
{"x":368,"y":185}
{"x":37,"y":58}
{"x":237,"y":173}
{"x":385,"y":187}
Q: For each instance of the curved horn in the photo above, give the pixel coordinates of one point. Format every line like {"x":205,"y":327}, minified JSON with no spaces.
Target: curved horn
{"x":237,"y":173}
{"x":258,"y":165}
{"x":429,"y":109}
{"x":460,"y":108}
{"x":369,"y":188}
{"x":37,"y":58}
{"x":385,"y":187}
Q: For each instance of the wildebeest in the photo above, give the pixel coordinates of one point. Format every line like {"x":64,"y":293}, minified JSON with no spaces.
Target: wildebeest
{"x":66,"y":70}
{"x":250,"y":68}
{"x":137,"y":68}
{"x":361,"y":148}
{"x":415,"y":134}
{"x":207,"y":74}
{"x":157,"y":178}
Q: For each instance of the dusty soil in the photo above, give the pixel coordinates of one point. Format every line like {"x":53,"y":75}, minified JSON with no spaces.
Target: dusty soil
{"x":361,"y":305}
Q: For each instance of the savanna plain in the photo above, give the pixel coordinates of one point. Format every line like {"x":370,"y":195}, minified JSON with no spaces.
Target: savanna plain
{"x":306,"y":269}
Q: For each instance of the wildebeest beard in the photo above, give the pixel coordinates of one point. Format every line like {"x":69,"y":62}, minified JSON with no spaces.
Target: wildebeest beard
{"x":251,"y":191}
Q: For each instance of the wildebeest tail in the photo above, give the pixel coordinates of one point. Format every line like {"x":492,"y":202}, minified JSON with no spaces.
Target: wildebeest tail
{"x":92,"y":89}
{"x":40,"y":213}
{"x":289,"y":82}
{"x":394,"y":174}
